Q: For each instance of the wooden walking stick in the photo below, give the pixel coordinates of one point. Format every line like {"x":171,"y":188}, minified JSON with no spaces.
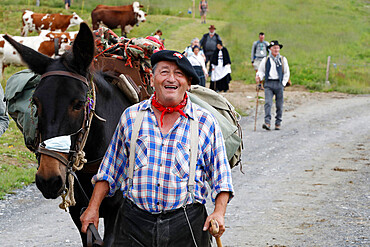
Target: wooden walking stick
{"x":215,"y":230}
{"x":255,"y":117}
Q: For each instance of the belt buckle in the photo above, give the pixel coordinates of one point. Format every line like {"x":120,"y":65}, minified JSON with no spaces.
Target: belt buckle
{"x":157,"y":213}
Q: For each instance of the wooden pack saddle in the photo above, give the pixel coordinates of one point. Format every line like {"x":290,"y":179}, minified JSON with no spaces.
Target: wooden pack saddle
{"x":130,"y":80}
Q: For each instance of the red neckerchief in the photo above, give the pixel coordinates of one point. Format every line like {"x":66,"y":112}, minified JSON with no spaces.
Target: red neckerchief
{"x":169,"y":109}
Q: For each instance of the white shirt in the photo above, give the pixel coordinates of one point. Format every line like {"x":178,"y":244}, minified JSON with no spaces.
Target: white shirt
{"x":189,"y":51}
{"x":221,"y":70}
{"x":197,"y":60}
{"x":273,"y":75}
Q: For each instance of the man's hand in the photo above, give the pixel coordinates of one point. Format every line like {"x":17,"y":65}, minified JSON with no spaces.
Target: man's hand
{"x":259,"y":87}
{"x":221,"y":224}
{"x":218,"y":214}
{"x":91,"y":214}
{"x":258,"y":80}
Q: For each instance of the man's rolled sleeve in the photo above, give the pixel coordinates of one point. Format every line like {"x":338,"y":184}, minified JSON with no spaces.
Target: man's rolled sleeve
{"x":104,"y":177}
{"x":221,"y":171}
{"x":286,"y":72}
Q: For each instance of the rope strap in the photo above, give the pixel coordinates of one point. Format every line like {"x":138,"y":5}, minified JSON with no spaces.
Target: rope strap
{"x":68,"y":198}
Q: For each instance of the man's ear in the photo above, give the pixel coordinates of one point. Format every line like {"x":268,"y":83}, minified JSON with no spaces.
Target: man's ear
{"x":189,"y":83}
{"x":151,"y":80}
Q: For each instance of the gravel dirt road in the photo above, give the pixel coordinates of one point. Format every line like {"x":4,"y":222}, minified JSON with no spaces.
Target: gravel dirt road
{"x":305,"y":185}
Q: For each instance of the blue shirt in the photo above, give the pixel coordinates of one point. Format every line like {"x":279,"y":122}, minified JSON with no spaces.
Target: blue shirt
{"x":162,"y":161}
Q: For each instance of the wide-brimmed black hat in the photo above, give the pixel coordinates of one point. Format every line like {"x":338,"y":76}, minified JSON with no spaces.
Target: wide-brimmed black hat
{"x":181,"y":61}
{"x":274,"y":42}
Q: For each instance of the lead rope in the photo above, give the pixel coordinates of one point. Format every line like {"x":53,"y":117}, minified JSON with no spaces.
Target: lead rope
{"x":68,"y":198}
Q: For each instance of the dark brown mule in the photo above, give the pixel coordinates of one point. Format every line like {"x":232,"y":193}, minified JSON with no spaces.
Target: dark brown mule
{"x":61,"y":100}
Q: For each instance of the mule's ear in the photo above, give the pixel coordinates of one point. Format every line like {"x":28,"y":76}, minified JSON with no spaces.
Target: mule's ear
{"x":83,"y":48}
{"x":36,"y":61}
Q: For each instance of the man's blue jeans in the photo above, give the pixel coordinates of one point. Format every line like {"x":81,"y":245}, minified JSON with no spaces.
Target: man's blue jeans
{"x":274,"y":87}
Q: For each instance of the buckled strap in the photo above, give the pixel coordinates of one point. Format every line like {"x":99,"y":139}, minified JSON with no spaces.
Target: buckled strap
{"x":134,"y":135}
{"x":92,"y":234}
{"x":53,"y":154}
{"x":194,"y":140}
{"x":66,"y":73}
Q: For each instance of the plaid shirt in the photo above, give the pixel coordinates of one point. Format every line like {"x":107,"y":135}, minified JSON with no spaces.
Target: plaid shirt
{"x":162,"y":161}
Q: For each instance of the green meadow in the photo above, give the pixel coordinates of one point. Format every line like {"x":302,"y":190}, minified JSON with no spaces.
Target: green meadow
{"x":310,"y":30}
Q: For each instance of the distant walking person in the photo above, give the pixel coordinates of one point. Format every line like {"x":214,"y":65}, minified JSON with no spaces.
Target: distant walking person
{"x":67,"y":4}
{"x":197,"y":61}
{"x":188,"y":52}
{"x":4,"y":119}
{"x":221,"y":69}
{"x":259,"y":51}
{"x":209,"y":44}
{"x":203,"y":8}
{"x":276,"y":73}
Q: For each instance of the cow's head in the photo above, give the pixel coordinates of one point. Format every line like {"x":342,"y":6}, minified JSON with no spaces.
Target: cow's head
{"x":140,"y":16}
{"x":75,"y":20}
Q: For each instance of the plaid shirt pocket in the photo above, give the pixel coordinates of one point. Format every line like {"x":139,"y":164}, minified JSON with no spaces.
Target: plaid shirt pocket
{"x":181,"y":166}
{"x":141,"y":153}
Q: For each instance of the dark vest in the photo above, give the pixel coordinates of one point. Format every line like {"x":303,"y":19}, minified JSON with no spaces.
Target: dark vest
{"x":279,"y":70}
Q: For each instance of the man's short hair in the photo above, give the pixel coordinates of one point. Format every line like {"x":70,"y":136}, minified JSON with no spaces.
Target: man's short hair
{"x":261,"y":33}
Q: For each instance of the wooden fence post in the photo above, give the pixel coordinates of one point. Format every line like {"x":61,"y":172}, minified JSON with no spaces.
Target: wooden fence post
{"x":327,"y":71}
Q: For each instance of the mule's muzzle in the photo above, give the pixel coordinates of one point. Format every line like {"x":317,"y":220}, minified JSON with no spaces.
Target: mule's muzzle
{"x":50,"y":188}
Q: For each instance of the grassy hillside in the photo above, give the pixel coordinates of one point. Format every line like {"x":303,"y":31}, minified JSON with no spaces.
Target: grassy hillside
{"x":310,"y":30}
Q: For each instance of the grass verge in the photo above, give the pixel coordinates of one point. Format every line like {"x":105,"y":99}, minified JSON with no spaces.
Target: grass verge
{"x":18,"y":164}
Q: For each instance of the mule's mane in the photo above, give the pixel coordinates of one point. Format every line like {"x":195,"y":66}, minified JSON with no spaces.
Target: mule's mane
{"x":103,"y":82}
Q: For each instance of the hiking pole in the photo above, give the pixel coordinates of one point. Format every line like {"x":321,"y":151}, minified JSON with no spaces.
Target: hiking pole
{"x":255,"y":117}
{"x":215,"y":230}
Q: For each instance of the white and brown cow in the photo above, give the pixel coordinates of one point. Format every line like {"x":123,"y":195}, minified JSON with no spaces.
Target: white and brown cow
{"x":48,"y":43}
{"x":124,"y":17}
{"x":51,"y":22}
{"x":134,"y":7}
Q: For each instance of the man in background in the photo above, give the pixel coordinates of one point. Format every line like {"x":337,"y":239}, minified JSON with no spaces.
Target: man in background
{"x":276,"y":72}
{"x":259,"y":51}
{"x":209,"y":44}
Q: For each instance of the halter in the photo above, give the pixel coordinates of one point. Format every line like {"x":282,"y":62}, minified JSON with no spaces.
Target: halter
{"x":76,"y":159}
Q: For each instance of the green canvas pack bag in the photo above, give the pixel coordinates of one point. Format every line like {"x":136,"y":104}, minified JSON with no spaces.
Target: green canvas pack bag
{"x":18,"y":94}
{"x":226,"y":116}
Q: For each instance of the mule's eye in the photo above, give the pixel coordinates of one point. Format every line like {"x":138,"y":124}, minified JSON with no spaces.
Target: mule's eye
{"x":78,"y":105}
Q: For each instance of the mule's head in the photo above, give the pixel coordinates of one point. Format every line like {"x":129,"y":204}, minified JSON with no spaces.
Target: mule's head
{"x":60,"y":102}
